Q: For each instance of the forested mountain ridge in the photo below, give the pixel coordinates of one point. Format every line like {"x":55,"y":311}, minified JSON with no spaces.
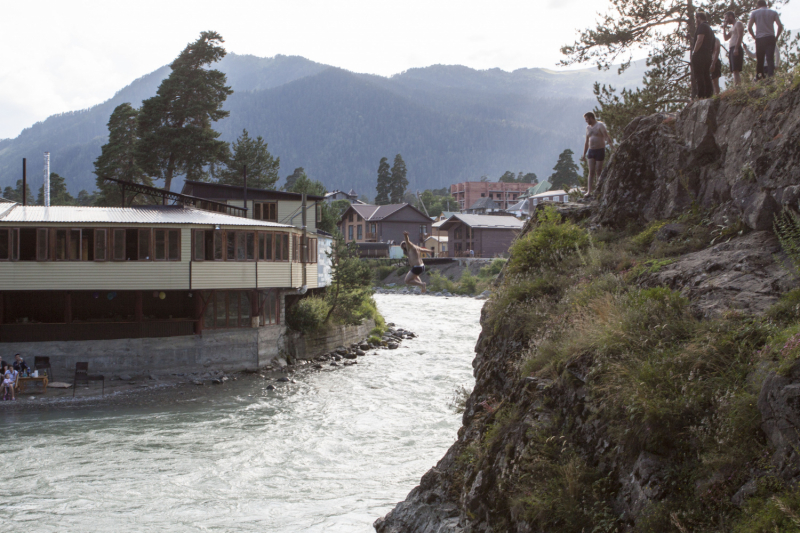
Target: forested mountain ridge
{"x":451,"y":123}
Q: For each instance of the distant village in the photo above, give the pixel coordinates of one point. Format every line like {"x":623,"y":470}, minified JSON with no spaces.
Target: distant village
{"x":489,"y":216}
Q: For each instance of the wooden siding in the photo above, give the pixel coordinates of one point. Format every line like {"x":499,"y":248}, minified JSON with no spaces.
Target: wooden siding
{"x":275,"y":274}
{"x":223,"y":275}
{"x":90,"y":275}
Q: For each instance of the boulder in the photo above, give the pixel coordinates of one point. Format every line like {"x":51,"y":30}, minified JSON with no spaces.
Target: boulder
{"x":779,"y":405}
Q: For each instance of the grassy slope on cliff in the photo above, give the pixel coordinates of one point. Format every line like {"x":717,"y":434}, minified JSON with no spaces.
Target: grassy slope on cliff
{"x":651,"y":376}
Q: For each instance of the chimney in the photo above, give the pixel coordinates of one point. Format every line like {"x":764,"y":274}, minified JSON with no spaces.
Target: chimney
{"x":47,"y":179}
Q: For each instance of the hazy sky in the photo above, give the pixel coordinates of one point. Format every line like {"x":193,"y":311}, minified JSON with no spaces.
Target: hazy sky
{"x":68,"y":55}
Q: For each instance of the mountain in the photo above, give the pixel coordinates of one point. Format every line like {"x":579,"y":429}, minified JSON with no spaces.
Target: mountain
{"x":450,"y":123}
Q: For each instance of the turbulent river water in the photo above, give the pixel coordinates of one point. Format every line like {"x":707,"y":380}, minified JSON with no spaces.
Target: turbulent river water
{"x":332,"y":452}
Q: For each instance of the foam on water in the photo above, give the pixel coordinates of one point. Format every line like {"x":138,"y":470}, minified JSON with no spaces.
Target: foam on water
{"x":331,"y":453}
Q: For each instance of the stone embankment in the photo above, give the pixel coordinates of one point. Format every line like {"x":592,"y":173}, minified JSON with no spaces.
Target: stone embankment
{"x":681,"y":414}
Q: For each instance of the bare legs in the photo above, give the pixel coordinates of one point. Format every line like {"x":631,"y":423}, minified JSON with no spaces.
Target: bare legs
{"x":413,"y":279}
{"x":595,"y":168}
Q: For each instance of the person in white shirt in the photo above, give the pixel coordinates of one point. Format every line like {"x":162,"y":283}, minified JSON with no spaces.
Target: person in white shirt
{"x":765,"y":20}
{"x":9,"y":381}
{"x":735,"y":53}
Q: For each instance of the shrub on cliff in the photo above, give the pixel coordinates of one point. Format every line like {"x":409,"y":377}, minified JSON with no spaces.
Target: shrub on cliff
{"x":547,"y":243}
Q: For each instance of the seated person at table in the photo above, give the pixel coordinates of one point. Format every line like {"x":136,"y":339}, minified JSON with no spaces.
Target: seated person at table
{"x":9,"y":380}
{"x":19,"y":364}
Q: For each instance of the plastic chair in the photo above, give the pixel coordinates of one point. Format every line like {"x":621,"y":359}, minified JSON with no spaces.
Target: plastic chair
{"x":82,"y":374}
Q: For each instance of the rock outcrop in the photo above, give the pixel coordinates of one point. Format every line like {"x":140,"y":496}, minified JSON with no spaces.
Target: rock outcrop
{"x":743,"y":162}
{"x":738,"y":165}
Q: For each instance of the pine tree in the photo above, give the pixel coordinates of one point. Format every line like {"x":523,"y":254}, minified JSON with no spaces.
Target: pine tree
{"x":566,"y":172}
{"x":308,"y":186}
{"x":530,"y":177}
{"x":15,"y":193}
{"x":118,"y":157}
{"x":399,"y":183}
{"x":508,"y":177}
{"x":262,"y":168}
{"x":384,"y":182}
{"x":58,"y":192}
{"x":292,"y":178}
{"x":175,"y":125}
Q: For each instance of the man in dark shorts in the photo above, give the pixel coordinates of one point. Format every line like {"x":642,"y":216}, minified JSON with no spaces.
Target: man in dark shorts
{"x":701,"y":56}
{"x":764,"y":20}
{"x":735,"y":51}
{"x":594,"y":149}
{"x":716,"y":67}
{"x":415,"y":260}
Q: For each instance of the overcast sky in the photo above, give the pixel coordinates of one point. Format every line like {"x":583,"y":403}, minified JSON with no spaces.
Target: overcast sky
{"x":69,"y":55}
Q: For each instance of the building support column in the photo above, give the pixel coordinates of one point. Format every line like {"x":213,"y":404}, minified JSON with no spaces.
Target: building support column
{"x":137,"y":309}
{"x":68,"y":307}
{"x":255,"y":310}
{"x":200,"y":308}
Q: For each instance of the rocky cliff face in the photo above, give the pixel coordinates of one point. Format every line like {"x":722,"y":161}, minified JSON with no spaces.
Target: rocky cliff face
{"x":648,"y":381}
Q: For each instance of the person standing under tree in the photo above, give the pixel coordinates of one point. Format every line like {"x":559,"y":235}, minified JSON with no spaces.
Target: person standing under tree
{"x":594,"y":149}
{"x":735,"y":52}
{"x":765,"y":36}
{"x":701,"y":56}
{"x":414,"y":254}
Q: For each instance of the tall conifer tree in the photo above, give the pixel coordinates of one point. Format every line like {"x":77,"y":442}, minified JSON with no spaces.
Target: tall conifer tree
{"x":399,"y":181}
{"x":384,"y":186}
{"x":118,"y":157}
{"x":262,"y":168}
{"x":566,"y":172}
{"x":175,"y":125}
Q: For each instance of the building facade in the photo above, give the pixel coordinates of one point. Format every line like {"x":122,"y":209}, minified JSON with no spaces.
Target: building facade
{"x":484,"y":235}
{"x":504,"y":194}
{"x":384,"y":223}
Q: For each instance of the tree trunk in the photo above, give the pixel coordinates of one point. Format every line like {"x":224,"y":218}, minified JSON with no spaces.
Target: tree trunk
{"x":168,"y":174}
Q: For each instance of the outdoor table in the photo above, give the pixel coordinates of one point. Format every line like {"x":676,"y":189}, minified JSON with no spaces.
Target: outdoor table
{"x":23,"y":381}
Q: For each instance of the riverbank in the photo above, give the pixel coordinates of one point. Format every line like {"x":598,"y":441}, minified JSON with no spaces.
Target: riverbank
{"x":330,"y":452}
{"x":168,"y":389}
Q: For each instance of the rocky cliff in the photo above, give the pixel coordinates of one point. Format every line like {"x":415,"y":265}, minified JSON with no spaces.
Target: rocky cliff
{"x":638,"y":364}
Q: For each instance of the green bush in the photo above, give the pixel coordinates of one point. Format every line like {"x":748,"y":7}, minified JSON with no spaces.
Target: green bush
{"x":768,"y":514}
{"x":436,"y":282}
{"x":374,"y":339}
{"x":382,"y":272}
{"x":403,"y":270}
{"x":308,"y":314}
{"x":492,"y":269}
{"x":645,"y":238}
{"x":547,"y":243}
{"x":467,"y":283}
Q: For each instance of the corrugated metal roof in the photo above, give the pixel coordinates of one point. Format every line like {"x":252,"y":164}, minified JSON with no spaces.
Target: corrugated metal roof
{"x":373,"y":213}
{"x":483,"y":221}
{"x":485,"y":203}
{"x":549,"y":193}
{"x":151,"y":214}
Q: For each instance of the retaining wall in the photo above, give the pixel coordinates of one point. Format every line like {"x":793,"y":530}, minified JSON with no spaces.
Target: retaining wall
{"x":306,"y":346}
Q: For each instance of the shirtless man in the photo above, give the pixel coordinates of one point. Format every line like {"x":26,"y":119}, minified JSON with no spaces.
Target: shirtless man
{"x":735,"y":36}
{"x":415,"y":260}
{"x":594,"y":150}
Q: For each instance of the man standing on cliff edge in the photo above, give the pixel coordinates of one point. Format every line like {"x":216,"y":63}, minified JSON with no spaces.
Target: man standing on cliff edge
{"x":764,"y":19}
{"x":415,"y":260}
{"x":594,"y":149}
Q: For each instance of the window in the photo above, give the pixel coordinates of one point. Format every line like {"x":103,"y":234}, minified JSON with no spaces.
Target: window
{"x":285,"y":246}
{"x":15,"y":244}
{"x":250,"y":246}
{"x":360,"y":231}
{"x":166,"y":245}
{"x":87,"y":244}
{"x":350,"y":217}
{"x":457,"y":233}
{"x":118,"y":245}
{"x":100,"y":244}
{"x":350,"y":233}
{"x":43,"y":245}
{"x":423,"y":229}
{"x":5,"y":244}
{"x":373,"y":228}
{"x":278,"y":237}
{"x":266,"y":211}
{"x":227,"y":309}
{"x":230,"y":249}
{"x":310,"y":254}
{"x":144,"y":252}
{"x":265,"y":250}
{"x":240,"y":246}
{"x":359,"y":218}
{"x":295,"y":249}
{"x":269,"y":307}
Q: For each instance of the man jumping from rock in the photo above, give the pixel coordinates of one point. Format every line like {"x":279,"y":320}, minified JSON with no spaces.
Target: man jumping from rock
{"x":415,"y":260}
{"x":594,"y":149}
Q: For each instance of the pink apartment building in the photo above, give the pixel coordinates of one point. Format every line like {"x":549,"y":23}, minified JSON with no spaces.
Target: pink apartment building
{"x":504,"y":194}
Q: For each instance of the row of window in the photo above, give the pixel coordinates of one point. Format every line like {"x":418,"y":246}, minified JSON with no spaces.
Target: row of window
{"x":219,"y":245}
{"x":463,"y":232}
{"x":89,"y":244}
{"x":235,"y":309}
{"x":149,"y":244}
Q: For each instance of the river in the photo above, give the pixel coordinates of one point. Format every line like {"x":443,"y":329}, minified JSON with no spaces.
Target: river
{"x":332,"y":452}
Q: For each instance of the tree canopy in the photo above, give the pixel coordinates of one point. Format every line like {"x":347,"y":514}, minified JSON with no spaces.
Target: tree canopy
{"x":510,"y":177}
{"x":175,"y":130}
{"x":58,"y":192}
{"x":384,"y":185}
{"x":565,"y":173}
{"x":666,"y":29}
{"x":293,"y":177}
{"x":15,"y":193}
{"x":399,"y":183}
{"x":262,"y":168}
{"x":118,"y":157}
